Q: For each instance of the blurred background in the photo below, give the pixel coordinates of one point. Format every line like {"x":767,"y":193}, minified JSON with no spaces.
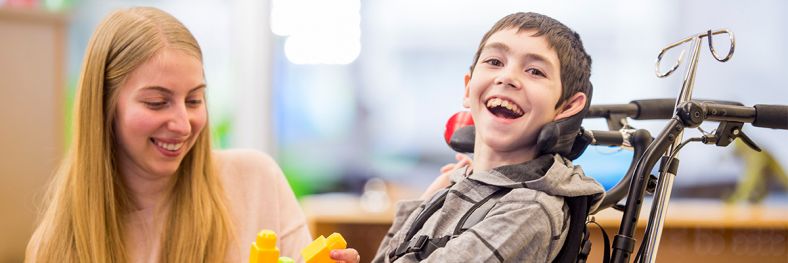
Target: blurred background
{"x":340,"y":92}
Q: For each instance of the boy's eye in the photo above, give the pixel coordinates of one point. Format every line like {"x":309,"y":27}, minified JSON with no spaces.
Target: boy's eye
{"x":536,"y":72}
{"x":494,"y":62}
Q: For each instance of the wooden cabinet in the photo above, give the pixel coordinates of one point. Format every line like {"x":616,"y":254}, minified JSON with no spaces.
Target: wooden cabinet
{"x":32,"y":84}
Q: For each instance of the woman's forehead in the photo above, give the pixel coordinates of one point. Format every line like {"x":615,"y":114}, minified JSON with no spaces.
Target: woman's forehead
{"x":171,"y":69}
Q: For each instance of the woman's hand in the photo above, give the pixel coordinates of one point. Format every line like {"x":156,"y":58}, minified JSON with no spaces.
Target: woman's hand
{"x":443,"y":180}
{"x":348,"y":255}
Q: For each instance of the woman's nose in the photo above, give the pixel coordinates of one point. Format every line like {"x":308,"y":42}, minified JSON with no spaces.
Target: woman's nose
{"x":179,"y":122}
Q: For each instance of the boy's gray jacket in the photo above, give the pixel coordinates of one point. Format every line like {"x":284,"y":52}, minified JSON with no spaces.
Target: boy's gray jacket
{"x":528,"y":224}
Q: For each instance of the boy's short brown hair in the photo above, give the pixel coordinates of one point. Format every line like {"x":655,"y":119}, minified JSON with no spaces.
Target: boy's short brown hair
{"x":575,"y":63}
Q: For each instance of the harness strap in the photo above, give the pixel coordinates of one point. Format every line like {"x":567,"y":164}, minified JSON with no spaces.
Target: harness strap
{"x":424,"y":245}
{"x":479,"y":211}
{"x":578,"y":212}
{"x":587,"y":244}
{"x":409,"y":243}
{"x":432,"y":206}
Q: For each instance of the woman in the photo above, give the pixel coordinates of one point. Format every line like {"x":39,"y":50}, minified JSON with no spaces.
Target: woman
{"x":140,"y":182}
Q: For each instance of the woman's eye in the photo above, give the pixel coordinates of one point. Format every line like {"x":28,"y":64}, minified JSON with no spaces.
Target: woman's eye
{"x":194,"y":102}
{"x":536,"y":72}
{"x":494,"y":62}
{"x":155,"y":104}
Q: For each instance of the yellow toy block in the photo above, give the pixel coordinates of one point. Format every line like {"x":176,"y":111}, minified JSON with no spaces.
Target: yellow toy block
{"x":318,"y":251}
{"x":264,"y":250}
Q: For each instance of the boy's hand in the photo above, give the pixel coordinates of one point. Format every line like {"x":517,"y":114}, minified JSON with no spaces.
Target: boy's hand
{"x":443,"y":180}
{"x":348,"y":255}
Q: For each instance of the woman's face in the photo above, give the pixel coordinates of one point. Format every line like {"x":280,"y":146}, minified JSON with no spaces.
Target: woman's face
{"x":160,"y":111}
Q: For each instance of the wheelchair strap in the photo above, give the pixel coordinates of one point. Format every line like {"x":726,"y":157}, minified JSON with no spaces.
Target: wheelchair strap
{"x":479,"y":211}
{"x":409,"y":244}
{"x":586,"y":248}
{"x":424,"y":245}
{"x":575,"y":237}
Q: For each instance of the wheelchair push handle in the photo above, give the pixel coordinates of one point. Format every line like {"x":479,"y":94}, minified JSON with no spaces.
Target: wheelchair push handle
{"x":771,"y":116}
{"x":606,"y":138}
{"x":692,"y":113}
{"x":646,"y":109}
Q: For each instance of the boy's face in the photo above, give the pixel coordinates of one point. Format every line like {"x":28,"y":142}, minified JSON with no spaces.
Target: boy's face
{"x":513,"y":91}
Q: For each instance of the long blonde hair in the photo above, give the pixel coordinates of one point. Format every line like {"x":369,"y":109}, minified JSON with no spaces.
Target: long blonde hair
{"x":87,"y":200}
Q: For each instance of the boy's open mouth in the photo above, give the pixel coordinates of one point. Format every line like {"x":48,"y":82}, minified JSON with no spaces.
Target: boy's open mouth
{"x":504,"y":108}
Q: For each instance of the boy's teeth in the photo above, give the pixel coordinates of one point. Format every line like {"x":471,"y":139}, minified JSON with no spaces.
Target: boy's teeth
{"x":495,"y":102}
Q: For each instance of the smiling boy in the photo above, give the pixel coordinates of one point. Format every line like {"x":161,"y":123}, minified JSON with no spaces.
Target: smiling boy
{"x":529,"y":70}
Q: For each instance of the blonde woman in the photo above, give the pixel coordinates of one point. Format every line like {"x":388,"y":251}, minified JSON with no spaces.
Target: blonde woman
{"x":140,"y":182}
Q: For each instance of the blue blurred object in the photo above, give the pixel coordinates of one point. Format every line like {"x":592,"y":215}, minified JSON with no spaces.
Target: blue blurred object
{"x":605,"y":164}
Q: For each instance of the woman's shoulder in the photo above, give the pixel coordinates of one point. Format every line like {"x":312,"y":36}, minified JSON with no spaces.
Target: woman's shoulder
{"x":246,"y":164}
{"x":244,"y":159}
{"x":242,"y":155}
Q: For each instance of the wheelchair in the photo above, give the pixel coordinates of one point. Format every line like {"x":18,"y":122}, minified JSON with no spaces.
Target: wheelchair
{"x":681,"y":113}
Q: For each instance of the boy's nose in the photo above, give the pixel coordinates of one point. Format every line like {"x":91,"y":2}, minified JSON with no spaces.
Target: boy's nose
{"x":508,"y":84}
{"x":507,"y":77}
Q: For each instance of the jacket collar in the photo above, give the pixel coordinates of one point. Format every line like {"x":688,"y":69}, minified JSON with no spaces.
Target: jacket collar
{"x":513,"y":176}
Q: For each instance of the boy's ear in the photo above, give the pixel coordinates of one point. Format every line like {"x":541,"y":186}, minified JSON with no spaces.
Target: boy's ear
{"x":466,"y":99}
{"x":571,"y":106}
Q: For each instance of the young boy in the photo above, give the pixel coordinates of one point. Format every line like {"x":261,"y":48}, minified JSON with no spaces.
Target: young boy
{"x":529,"y":70}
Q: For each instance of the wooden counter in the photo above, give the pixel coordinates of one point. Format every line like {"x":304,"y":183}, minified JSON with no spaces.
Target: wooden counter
{"x":695,"y":231}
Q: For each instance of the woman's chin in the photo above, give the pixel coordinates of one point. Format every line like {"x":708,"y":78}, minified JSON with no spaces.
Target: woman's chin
{"x":164,"y":170}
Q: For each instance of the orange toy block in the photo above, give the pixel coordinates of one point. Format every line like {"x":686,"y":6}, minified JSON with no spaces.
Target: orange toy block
{"x":264,"y":250}
{"x":318,"y":251}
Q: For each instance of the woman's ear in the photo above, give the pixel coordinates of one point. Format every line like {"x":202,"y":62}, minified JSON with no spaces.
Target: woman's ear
{"x":571,"y":106}
{"x":466,"y":99}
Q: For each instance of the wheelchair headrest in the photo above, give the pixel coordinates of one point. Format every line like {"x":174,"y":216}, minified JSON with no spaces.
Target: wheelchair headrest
{"x":560,"y":136}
